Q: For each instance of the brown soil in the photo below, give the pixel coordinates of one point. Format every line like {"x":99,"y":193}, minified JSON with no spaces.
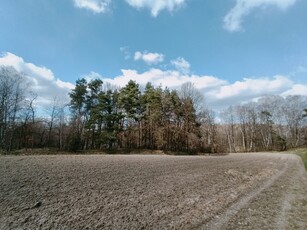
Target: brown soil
{"x":238,"y":191}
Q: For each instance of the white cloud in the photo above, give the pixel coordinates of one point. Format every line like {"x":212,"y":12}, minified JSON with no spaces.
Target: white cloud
{"x":155,"y":6}
{"x":92,"y":76}
{"x":297,"y":89}
{"x":249,"y":89}
{"x":253,"y":87}
{"x":96,"y":6}
{"x":218,"y":92}
{"x":233,"y":20}
{"x":64,"y":85}
{"x":181,"y":65}
{"x":168,"y":78}
{"x":149,"y":58}
{"x":41,"y":80}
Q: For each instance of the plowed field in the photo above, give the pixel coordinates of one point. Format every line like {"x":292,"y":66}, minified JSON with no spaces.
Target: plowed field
{"x":238,"y":191}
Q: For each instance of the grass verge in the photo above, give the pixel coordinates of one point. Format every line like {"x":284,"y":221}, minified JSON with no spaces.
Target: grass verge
{"x":303,"y":154}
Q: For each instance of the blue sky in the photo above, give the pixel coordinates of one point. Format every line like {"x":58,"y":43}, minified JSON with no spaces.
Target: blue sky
{"x":232,"y":50}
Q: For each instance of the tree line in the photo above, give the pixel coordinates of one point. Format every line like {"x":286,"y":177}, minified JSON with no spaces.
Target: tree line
{"x":127,"y":118}
{"x":104,"y":117}
{"x":271,"y":123}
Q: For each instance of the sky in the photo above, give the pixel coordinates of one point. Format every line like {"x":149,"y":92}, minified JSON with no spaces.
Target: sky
{"x":232,"y":50}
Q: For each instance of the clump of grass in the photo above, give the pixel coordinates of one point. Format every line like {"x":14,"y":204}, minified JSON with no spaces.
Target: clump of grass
{"x":303,"y":154}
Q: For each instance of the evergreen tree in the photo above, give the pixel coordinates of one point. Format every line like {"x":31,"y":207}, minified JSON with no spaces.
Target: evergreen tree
{"x":78,"y":108}
{"x":110,"y":117}
{"x":92,"y":110}
{"x":151,"y":103}
{"x":129,"y":102}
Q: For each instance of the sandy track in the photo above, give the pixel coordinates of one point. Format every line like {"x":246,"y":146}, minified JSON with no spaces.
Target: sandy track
{"x":239,"y":191}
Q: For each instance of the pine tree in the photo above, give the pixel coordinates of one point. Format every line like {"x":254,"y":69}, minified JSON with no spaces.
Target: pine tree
{"x":151,"y":103}
{"x":129,"y":102}
{"x":110,"y":117}
{"x":78,"y":108}
{"x":92,"y":111}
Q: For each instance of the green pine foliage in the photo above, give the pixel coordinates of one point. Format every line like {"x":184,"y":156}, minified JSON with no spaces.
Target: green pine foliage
{"x":155,"y":119}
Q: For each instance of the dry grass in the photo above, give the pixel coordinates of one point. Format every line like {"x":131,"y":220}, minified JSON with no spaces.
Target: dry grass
{"x":303,"y":154}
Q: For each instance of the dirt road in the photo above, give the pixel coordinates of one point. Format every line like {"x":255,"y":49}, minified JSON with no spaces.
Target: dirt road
{"x":238,"y":191}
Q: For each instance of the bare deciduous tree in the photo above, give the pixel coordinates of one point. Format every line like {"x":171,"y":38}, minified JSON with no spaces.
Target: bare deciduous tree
{"x":11,"y":97}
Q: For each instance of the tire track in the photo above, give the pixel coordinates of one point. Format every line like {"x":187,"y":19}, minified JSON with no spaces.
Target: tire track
{"x":220,"y":221}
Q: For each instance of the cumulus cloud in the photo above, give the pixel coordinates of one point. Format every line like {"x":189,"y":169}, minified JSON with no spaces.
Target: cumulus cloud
{"x":181,"y":65}
{"x":254,"y":87}
{"x":42,"y":81}
{"x":168,"y":78}
{"x":296,"y":89}
{"x":92,"y":76}
{"x":249,"y":89}
{"x":149,"y":58}
{"x":96,"y":6}
{"x":155,"y":6}
{"x":233,"y":20}
{"x":218,"y":92}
